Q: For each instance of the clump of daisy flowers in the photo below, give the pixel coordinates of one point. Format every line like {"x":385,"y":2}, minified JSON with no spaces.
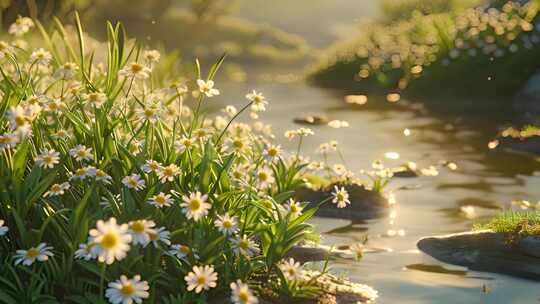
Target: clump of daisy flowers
{"x":116,"y":186}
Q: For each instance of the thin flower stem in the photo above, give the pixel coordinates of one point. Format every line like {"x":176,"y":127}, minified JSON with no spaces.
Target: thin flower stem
{"x":102,"y":279}
{"x":230,"y":121}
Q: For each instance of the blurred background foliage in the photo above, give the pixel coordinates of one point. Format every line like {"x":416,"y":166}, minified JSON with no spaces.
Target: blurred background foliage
{"x":202,"y":28}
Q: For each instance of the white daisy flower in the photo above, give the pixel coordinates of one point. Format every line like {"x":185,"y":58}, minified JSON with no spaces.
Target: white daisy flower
{"x":305,"y":132}
{"x":151,"y":166}
{"x":80,"y":153}
{"x":195,"y":206}
{"x":152,"y":56}
{"x":294,"y":208}
{"x":183,"y":144}
{"x":242,"y":294}
{"x":135,"y":70}
{"x":226,"y":224}
{"x":168,"y":173}
{"x":341,"y":197}
{"x":103,"y":177}
{"x":57,"y":189}
{"x":265,"y":178}
{"x":82,"y":173}
{"x":66,"y":71}
{"x":134,"y":181}
{"x":291,"y":270}
{"x":8,"y":140}
{"x":207,"y":88}
{"x":272,"y":152}
{"x":21,"y":26}
{"x":17,"y":117}
{"x":5,"y":48}
{"x":238,"y":172}
{"x":160,"y":235}
{"x":149,"y":113}
{"x":180,"y":251}
{"x":96,"y":99}
{"x":244,"y":245}
{"x":202,"y":277}
{"x":3,"y":229}
{"x":84,"y":252}
{"x":161,"y":200}
{"x":40,"y":253}
{"x":41,"y":57}
{"x":127,"y":291}
{"x":47,"y":159}
{"x":110,"y":241}
{"x":258,"y":100}
{"x":230,"y":110}
{"x":140,"y":230}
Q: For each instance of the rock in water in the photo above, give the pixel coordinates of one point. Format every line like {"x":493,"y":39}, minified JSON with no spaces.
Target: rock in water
{"x":365,"y":204}
{"x":487,"y":251}
{"x":311,"y":119}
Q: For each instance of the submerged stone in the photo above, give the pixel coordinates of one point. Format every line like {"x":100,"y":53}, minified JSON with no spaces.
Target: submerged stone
{"x":487,"y":250}
{"x":365,"y":204}
{"x":311,"y":119}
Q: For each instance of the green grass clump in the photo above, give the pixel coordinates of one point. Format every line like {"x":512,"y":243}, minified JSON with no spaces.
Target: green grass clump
{"x":457,"y":53}
{"x":116,"y":185}
{"x":516,"y":223}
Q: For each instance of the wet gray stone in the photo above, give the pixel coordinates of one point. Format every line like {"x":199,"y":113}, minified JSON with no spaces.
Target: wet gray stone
{"x":486,"y":251}
{"x":365,"y":204}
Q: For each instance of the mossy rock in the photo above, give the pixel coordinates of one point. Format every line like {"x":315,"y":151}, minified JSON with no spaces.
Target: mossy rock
{"x":365,"y":204}
{"x":487,"y":250}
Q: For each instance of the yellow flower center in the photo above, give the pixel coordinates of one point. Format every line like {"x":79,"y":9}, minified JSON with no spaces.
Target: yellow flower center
{"x":263,"y":176}
{"x":195,"y":204}
{"x":227,"y":224}
{"x":135,"y":67}
{"x":20,"y":120}
{"x":291,"y":271}
{"x":100,"y":173}
{"x":138,"y":227}
{"x":80,"y":172}
{"x":56,"y":188}
{"x":272,"y":152}
{"x":160,"y":200}
{"x":148,"y":112}
{"x":201,"y":280}
{"x":238,"y":144}
{"x":184,"y":249}
{"x":127,"y":290}
{"x":168,"y":172}
{"x":133,"y":183}
{"x":152,"y":236}
{"x":340,"y":196}
{"x":243,"y":244}
{"x":32,"y":253}
{"x":109,"y":241}
{"x":243,"y":296}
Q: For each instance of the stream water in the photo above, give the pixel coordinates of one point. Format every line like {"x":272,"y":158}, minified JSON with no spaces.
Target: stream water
{"x":447,"y":203}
